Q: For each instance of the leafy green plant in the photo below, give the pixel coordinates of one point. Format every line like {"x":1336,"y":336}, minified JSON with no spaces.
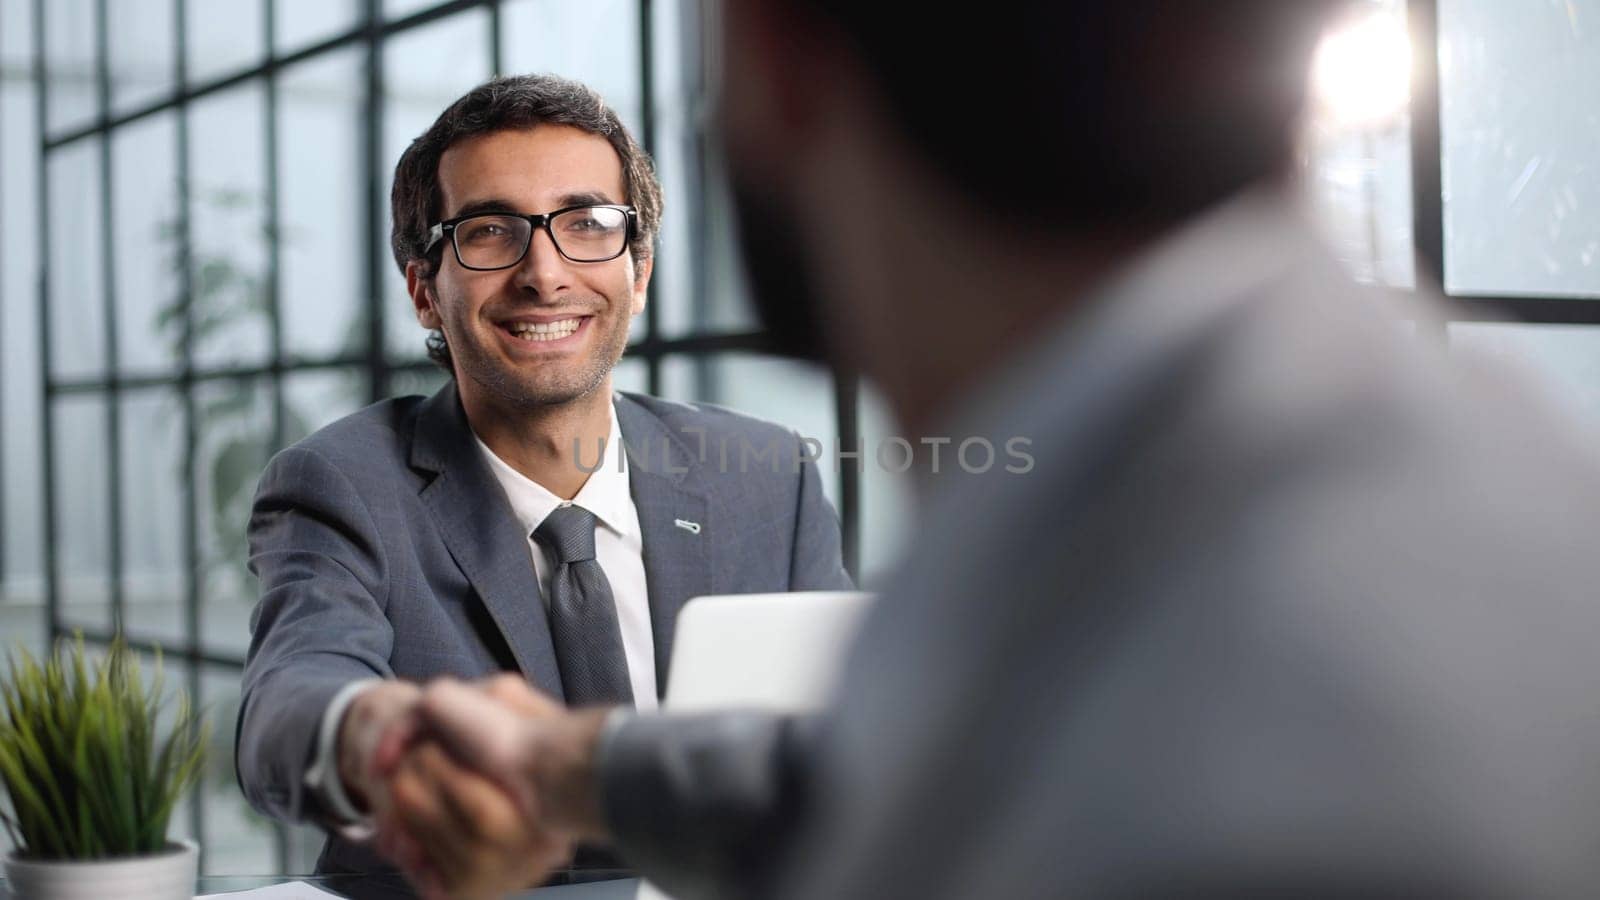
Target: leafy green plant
{"x":87,"y":773}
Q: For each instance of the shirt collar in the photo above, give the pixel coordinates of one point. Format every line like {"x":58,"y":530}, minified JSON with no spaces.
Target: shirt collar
{"x":607,"y":493}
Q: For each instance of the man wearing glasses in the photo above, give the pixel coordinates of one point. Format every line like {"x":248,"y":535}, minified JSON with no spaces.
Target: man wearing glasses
{"x":526,"y":517}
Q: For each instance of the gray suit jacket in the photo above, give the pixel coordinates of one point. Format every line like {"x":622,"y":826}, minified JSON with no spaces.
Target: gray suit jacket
{"x":1290,"y":605}
{"x":384,"y":547}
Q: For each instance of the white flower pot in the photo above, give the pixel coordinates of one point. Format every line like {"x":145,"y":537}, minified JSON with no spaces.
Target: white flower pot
{"x":163,"y":876}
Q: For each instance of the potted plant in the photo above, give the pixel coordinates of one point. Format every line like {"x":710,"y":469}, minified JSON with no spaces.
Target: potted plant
{"x":93,"y":777}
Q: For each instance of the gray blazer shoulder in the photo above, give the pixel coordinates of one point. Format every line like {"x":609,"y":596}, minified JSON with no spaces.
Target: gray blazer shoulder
{"x":387,"y":423}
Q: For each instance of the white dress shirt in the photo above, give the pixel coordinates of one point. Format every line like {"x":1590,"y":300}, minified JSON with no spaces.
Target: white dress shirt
{"x":619,"y":548}
{"x":618,"y":545}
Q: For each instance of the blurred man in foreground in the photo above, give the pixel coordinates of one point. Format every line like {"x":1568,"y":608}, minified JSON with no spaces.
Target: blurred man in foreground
{"x":1289,"y":606}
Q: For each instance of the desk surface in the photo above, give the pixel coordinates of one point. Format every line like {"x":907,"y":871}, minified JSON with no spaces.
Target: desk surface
{"x":362,"y":886}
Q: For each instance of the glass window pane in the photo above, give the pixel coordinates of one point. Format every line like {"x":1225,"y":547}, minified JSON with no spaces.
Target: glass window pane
{"x":24,"y":625}
{"x":675,"y":27}
{"x":794,"y":394}
{"x":22,"y":504}
{"x":406,"y":339}
{"x":886,"y":500}
{"x":77,"y":296}
{"x":425,"y":70}
{"x":82,"y":534}
{"x":723,"y":294}
{"x":421,"y":382}
{"x":227,"y":216}
{"x":678,"y":281}
{"x":143,"y":54}
{"x":70,"y":65}
{"x":699,"y":282}
{"x":145,"y":183}
{"x":675,"y":283}
{"x":315,"y":399}
{"x":631,"y":374}
{"x":596,"y":43}
{"x":237,"y":839}
{"x":223,"y":38}
{"x":1358,"y":143}
{"x":399,"y":9}
{"x":304,"y":847}
{"x":152,"y":494}
{"x":1562,"y":360}
{"x":1361,"y":190}
{"x":321,"y":194}
{"x":300,"y":23}
{"x":233,"y":420}
{"x":22,"y":611}
{"x":1522,"y":200}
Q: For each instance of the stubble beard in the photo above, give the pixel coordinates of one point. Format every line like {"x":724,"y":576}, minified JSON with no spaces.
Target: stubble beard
{"x":530,"y":391}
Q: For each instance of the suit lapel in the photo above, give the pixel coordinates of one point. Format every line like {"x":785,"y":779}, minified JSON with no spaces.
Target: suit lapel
{"x":676,"y":534}
{"x":477,"y":526}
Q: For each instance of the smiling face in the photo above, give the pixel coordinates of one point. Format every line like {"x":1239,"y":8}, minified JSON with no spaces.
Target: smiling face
{"x":546,"y":331}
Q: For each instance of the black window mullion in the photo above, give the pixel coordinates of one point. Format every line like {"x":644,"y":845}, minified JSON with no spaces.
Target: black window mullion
{"x":375,"y":213}
{"x":47,"y":433}
{"x":103,"y":637}
{"x":1529,"y":310}
{"x":200,"y":374}
{"x":274,"y":230}
{"x":274,"y":227}
{"x":192,"y":612}
{"x":700,"y":231}
{"x":846,"y":402}
{"x":647,"y":139}
{"x":496,"y":60}
{"x":1427,"y":191}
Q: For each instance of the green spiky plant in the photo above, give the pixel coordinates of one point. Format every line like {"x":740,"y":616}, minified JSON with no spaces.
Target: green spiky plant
{"x":87,"y":773}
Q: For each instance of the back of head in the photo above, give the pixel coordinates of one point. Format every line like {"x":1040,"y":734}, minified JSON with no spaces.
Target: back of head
{"x":1084,"y":112}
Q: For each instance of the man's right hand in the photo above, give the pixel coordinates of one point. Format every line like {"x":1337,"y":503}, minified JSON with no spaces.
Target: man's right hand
{"x":539,"y":751}
{"x":383,"y":709}
{"x":492,"y":791}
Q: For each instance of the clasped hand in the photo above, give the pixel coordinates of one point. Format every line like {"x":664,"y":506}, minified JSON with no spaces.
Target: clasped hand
{"x":476,"y":789}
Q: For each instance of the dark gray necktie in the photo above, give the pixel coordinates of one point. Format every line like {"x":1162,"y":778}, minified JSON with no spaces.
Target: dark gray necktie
{"x":583,"y":615}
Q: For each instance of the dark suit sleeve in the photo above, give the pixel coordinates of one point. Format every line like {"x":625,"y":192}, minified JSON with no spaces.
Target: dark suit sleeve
{"x":817,"y":560}
{"x":701,"y":804}
{"x":319,"y":623}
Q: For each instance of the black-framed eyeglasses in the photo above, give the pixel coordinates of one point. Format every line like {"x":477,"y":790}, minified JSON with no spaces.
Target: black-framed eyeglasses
{"x":485,"y":241}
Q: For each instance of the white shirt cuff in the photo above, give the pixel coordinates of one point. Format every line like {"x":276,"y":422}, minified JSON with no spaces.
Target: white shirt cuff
{"x":323,"y":776}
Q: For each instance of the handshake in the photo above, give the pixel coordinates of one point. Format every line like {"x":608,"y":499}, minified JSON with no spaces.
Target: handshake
{"x":475,"y":789}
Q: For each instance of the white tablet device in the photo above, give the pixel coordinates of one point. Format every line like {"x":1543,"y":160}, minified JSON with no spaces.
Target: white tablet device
{"x":769,"y":651}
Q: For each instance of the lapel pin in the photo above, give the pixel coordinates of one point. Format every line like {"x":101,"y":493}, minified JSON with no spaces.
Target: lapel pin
{"x":686,"y":525}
